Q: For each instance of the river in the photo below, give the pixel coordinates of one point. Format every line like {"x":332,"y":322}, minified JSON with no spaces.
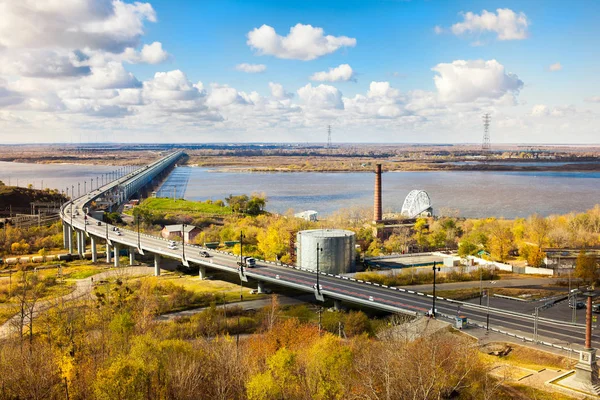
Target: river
{"x":472,"y":193}
{"x":53,"y":176}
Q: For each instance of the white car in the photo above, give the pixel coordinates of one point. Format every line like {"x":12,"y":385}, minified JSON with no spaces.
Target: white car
{"x":119,"y":233}
{"x":172,"y":247}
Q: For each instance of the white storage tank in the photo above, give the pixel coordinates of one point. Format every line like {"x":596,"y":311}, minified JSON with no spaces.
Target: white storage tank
{"x":338,"y":255}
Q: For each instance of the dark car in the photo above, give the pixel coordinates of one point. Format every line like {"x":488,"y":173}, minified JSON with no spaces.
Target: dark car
{"x":578,"y":305}
{"x":204,"y":253}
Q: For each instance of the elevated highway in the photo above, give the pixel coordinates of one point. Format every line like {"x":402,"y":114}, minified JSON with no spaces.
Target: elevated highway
{"x":339,"y":288}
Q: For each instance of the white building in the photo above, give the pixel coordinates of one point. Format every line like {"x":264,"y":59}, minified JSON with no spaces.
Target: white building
{"x":309,"y":215}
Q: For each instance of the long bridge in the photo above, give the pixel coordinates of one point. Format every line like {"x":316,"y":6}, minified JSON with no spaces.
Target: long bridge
{"x":525,"y":326}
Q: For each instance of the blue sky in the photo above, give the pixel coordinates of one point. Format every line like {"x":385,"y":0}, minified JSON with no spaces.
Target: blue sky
{"x":539,"y":81}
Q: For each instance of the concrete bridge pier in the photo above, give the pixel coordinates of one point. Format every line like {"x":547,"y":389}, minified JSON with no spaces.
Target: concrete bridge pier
{"x":65,"y":235}
{"x":82,"y":241}
{"x":131,"y":256}
{"x":108,"y":253}
{"x":79,"y":244}
{"x":116,"y":255}
{"x":94,"y":249}
{"x":70,"y":229}
{"x":261,"y":287}
{"x":202,"y":272}
{"x":337,"y":305}
{"x":156,"y":264}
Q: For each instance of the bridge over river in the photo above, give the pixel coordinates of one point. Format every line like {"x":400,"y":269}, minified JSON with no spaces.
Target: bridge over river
{"x":77,"y":230}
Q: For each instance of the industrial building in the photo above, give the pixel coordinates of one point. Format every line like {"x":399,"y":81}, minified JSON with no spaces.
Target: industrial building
{"x":337,"y":255}
{"x":188,"y":233}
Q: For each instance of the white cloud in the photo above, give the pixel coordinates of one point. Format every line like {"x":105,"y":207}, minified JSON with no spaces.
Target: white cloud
{"x":507,"y":24}
{"x":251,"y":68}
{"x":465,"y":81}
{"x":540,"y":110}
{"x":153,"y":53}
{"x":342,"y":73}
{"x":110,"y":25}
{"x":304,"y":42}
{"x":111,"y":76}
{"x":321,"y":97}
{"x":43,"y":63}
{"x":278,"y":92}
{"x":438,"y":30}
{"x":555,"y":67}
{"x":593,"y":99}
{"x":172,"y":85}
{"x":222,"y":96}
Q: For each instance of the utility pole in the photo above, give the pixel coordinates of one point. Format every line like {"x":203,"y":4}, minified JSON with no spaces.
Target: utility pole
{"x":319,"y":250}
{"x":434,"y":270}
{"x":182,"y":240}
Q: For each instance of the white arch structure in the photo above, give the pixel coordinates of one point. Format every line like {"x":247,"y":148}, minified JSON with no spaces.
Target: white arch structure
{"x":416,"y":203}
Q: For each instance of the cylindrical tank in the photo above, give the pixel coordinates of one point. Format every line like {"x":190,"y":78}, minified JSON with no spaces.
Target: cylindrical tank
{"x":338,"y":255}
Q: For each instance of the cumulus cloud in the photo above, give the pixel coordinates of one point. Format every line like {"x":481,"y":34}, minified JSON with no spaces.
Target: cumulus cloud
{"x":438,"y":30}
{"x":321,"y":97}
{"x":172,"y":85}
{"x":465,"y":81}
{"x":304,"y":42}
{"x":251,"y":68}
{"x":8,"y":97}
{"x":222,"y":96}
{"x":342,"y":73}
{"x":278,"y":92}
{"x":593,"y":99}
{"x":110,"y":25}
{"x":540,"y":110}
{"x":43,"y":63}
{"x":111,"y":76}
{"x":507,"y":24}
{"x":153,"y":53}
{"x":555,"y":67}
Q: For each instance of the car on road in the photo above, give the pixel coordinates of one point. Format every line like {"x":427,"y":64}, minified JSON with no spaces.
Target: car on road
{"x":172,"y":246}
{"x":119,"y":233}
{"x":578,"y":305}
{"x":204,"y":254}
{"x":250,"y":262}
{"x":596,"y":308}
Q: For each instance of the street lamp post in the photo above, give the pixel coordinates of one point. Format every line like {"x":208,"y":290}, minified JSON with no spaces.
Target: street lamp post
{"x":182,"y":241}
{"x":138,"y":229}
{"x":480,"y":284}
{"x":78,"y":189}
{"x":319,"y":250}
{"x":487,"y":317}
{"x":241,"y":265}
{"x":434,"y":271}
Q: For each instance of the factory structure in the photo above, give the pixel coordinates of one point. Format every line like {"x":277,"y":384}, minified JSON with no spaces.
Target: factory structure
{"x":338,"y":252}
{"x":417,"y":204}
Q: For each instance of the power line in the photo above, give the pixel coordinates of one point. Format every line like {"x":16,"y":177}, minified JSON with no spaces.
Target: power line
{"x":328,"y":136}
{"x":487,"y":118}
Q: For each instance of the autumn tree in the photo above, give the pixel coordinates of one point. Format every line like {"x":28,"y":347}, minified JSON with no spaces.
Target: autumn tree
{"x":586,"y":268}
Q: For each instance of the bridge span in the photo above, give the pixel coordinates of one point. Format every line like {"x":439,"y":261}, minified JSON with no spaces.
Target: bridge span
{"x":554,"y":333}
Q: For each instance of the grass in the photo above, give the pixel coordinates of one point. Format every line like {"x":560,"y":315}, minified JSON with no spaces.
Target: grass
{"x":230,"y":291}
{"x":164,"y":204}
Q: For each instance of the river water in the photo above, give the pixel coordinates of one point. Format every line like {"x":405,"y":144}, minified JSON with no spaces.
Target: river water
{"x":472,"y":193}
{"x":53,"y":176}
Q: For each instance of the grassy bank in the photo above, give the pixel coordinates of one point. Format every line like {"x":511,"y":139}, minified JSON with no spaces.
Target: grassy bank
{"x":187,"y":206}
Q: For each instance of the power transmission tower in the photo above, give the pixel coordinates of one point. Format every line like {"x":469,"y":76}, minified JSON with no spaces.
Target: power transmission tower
{"x":328,"y":136}
{"x":487,"y":118}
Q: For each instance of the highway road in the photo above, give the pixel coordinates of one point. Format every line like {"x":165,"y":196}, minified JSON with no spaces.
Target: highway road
{"x":334,"y":287}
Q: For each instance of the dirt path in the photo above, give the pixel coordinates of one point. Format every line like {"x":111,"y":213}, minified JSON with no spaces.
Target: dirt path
{"x":83,"y":287}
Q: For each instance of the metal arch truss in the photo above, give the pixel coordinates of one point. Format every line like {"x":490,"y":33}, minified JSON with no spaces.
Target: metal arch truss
{"x":416,"y":202}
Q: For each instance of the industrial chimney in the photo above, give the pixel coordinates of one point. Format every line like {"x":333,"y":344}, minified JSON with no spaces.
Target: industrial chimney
{"x":377,"y":217}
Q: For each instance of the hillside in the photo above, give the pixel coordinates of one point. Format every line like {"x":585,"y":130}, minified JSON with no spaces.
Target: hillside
{"x":19,"y":198}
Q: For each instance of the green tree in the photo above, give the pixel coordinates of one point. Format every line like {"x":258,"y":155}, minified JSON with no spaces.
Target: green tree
{"x":281,"y":380}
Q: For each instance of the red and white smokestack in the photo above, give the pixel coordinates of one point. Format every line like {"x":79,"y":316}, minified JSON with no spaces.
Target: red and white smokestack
{"x":377,"y":215}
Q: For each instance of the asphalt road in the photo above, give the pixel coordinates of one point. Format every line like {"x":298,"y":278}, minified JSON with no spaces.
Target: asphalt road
{"x":507,"y":315}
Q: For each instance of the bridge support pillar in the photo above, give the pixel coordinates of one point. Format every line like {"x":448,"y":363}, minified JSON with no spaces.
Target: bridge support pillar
{"x":337,"y":305}
{"x":108,"y":253}
{"x":202,"y":272}
{"x":94,"y":249}
{"x":78,"y":240}
{"x":156,"y":264}
{"x":70,"y":229}
{"x":131,"y":256}
{"x":116,"y":255}
{"x":82,"y":240}
{"x":261,"y":287}
{"x":65,"y":235}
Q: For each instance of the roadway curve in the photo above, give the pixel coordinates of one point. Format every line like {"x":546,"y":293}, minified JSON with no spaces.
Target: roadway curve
{"x":396,"y":300}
